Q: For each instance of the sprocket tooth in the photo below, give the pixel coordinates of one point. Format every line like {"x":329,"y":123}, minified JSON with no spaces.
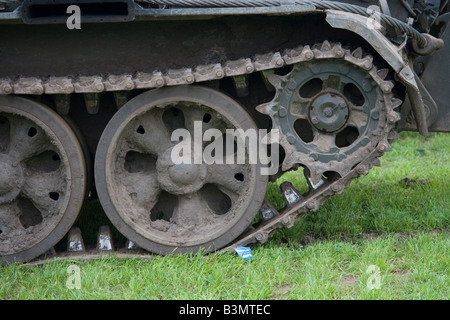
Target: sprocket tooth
{"x":267,"y":84}
{"x":326,"y":46}
{"x":382,"y":73}
{"x":396,"y":103}
{"x":368,"y":63}
{"x":271,"y":137}
{"x":275,"y":80}
{"x":314,"y":179}
{"x":308,"y":53}
{"x":338,"y":50}
{"x":265,"y":108}
{"x":357,"y":53}
{"x":289,"y":161}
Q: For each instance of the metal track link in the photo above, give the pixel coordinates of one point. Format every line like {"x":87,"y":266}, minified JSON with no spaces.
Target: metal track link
{"x":297,"y":205}
{"x":140,"y":80}
{"x":105,"y":247}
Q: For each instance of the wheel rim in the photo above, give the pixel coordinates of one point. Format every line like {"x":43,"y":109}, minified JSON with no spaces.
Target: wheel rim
{"x":167,"y":207}
{"x":42,"y":179}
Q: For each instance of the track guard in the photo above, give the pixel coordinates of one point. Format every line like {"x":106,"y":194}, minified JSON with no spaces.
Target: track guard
{"x":389,"y":52}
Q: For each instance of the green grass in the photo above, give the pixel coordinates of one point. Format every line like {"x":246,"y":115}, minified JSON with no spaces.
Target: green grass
{"x":401,"y":228}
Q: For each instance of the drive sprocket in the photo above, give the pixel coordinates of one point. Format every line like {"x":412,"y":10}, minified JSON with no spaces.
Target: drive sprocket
{"x":330,"y":110}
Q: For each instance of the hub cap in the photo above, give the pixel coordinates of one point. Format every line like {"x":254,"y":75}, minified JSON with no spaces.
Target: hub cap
{"x":329,"y":112}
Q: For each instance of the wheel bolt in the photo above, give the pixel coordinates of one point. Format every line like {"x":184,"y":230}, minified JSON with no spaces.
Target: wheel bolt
{"x":282,"y":112}
{"x":337,"y":187}
{"x":368,"y":65}
{"x":99,"y":87}
{"x":311,"y":204}
{"x":219,"y":74}
{"x":7,"y":89}
{"x":286,"y":221}
{"x":259,"y":237}
{"x":362,"y":169}
{"x":382,"y":147}
{"x":189,"y":79}
{"x":315,"y":120}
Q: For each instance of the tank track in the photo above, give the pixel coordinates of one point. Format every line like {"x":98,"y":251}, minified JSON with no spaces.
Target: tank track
{"x":297,"y":205}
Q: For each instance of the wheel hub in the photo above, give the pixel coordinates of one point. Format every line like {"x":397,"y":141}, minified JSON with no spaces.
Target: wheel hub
{"x":184,"y":174}
{"x":179,"y":179}
{"x":329,"y":112}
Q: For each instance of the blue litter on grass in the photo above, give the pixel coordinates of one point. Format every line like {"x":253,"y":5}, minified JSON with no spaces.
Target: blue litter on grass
{"x":244,"y":252}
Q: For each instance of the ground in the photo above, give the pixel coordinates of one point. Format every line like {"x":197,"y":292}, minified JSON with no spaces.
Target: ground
{"x":386,"y":237}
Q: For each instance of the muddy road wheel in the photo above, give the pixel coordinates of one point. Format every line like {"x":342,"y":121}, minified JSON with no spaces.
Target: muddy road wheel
{"x":42,"y":179}
{"x":173,"y":206}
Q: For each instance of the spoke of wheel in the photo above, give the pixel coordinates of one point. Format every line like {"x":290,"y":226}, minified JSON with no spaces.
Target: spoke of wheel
{"x":9,"y":218}
{"x":148,"y":134}
{"x":45,"y":190}
{"x":324,"y":142}
{"x":314,"y":179}
{"x":207,"y":119}
{"x":333,"y":82}
{"x":299,"y":108}
{"x":230,"y":178}
{"x":192,"y":210}
{"x":27,"y":139}
{"x":143,"y":189}
{"x":357,"y":118}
